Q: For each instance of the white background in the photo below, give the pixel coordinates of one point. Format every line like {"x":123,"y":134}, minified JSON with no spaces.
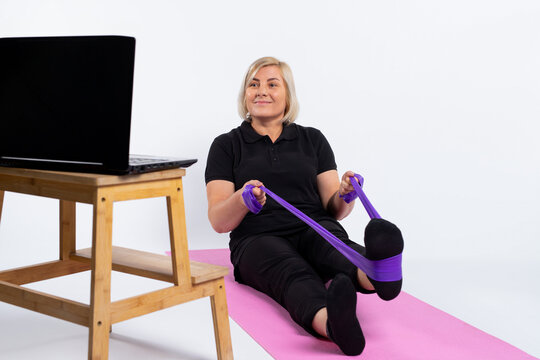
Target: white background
{"x":435,"y":103}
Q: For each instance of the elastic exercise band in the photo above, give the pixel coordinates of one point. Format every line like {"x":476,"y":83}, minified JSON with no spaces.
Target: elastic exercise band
{"x":388,"y":269}
{"x":363,"y":198}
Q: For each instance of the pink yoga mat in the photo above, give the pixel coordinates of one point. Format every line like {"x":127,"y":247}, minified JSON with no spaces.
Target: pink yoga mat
{"x":403,"y":329}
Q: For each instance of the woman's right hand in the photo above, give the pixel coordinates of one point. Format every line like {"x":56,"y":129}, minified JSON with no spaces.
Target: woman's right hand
{"x":259,"y":194}
{"x":226,"y":207}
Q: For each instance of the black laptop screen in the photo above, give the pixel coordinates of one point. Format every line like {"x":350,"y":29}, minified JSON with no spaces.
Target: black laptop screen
{"x":66,"y":99}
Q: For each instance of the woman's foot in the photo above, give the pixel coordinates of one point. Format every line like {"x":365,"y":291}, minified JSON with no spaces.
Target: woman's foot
{"x":383,"y":240}
{"x":342,"y":326}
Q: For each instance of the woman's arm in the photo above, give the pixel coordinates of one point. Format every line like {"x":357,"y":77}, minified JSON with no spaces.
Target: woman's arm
{"x":329,"y":190}
{"x":226,"y":208}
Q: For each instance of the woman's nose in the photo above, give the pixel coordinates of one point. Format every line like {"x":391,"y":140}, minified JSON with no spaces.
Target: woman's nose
{"x":262,"y":90}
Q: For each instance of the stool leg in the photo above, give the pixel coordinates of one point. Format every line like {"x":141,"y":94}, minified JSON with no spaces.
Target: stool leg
{"x":221,"y":321}
{"x":100,"y":292}
{"x":178,"y":236}
{"x":1,"y":202}
{"x":67,"y":228}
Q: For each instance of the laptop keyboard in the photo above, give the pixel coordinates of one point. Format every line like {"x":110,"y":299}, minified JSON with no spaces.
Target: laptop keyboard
{"x":134,"y":161}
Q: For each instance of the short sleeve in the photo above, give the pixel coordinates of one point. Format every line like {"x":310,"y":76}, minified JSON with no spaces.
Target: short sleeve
{"x":325,"y":155}
{"x":219,"y":165}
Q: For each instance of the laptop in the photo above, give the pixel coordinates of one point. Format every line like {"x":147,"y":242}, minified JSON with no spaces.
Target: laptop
{"x":65,"y":104}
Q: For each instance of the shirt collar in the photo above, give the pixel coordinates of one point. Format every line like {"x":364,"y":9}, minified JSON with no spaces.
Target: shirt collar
{"x":250,"y":135}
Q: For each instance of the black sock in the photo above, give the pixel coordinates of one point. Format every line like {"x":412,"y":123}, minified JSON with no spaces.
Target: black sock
{"x":343,"y":327}
{"x":383,"y":240}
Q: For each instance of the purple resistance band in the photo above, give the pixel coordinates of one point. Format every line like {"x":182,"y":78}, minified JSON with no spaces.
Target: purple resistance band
{"x":388,"y":269}
{"x":358,"y":192}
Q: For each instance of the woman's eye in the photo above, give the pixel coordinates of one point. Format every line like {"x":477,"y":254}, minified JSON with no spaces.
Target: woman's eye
{"x":273,"y":85}
{"x":253,"y":85}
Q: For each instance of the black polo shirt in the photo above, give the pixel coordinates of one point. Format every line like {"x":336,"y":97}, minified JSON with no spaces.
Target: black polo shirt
{"x":289,"y":167}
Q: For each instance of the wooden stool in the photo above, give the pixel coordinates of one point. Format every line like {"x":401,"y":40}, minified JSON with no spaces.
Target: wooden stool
{"x":192,"y":280}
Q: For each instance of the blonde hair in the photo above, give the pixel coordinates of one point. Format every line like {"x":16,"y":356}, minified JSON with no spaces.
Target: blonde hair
{"x":291,"y":106}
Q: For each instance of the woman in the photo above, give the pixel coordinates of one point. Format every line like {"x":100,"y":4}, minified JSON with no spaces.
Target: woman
{"x":273,"y":251}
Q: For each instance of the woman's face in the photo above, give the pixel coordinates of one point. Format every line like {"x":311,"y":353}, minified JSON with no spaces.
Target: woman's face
{"x":266,"y":95}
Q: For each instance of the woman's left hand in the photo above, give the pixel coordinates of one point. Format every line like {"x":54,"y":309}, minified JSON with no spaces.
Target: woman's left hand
{"x":345,"y":186}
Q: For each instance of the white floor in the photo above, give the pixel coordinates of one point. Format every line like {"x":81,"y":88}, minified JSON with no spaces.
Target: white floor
{"x":185,"y":331}
{"x":181,"y":332}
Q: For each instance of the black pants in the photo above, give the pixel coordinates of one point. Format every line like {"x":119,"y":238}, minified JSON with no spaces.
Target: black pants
{"x":292,"y":270}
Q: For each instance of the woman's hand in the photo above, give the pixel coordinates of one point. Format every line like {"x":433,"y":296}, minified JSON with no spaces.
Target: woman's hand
{"x":226,"y":207}
{"x":345,"y":186}
{"x":259,"y":194}
{"x":330,"y":188}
